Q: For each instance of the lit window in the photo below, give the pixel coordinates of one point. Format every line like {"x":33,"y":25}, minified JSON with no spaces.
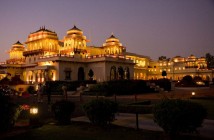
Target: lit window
{"x":175,"y":68}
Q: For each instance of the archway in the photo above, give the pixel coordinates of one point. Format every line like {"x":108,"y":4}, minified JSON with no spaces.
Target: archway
{"x":120,"y":72}
{"x":81,"y":74}
{"x":113,"y":73}
{"x":127,"y":73}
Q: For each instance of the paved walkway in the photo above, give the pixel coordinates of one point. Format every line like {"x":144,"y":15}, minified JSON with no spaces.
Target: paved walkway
{"x":146,"y":122}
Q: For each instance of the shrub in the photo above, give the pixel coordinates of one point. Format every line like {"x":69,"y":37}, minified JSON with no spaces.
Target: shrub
{"x":163,"y":83}
{"x":9,"y":113}
{"x":101,"y":111}
{"x":121,"y":87}
{"x":176,"y":116}
{"x":31,"y":90}
{"x":63,"y":110}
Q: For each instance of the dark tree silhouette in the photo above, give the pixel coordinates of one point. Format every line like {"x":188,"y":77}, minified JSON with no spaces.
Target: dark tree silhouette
{"x":164,"y":73}
{"x":210,"y":60}
{"x":90,"y":74}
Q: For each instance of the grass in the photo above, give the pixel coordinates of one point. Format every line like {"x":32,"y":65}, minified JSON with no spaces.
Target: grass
{"x":86,"y":131}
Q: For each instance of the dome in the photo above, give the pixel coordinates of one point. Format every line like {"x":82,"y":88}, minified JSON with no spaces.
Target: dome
{"x":112,"y":38}
{"x":75,"y":30}
{"x":43,"y":29}
{"x":42,"y":33}
{"x":17,"y":46}
{"x":191,"y":58}
{"x":112,"y":41}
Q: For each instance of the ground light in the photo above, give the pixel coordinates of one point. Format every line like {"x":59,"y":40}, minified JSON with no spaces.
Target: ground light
{"x":34,"y":117}
{"x":34,"y":110}
{"x":193,"y":93}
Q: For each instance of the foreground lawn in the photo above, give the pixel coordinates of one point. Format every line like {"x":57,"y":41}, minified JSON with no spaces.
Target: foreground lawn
{"x":86,"y":131}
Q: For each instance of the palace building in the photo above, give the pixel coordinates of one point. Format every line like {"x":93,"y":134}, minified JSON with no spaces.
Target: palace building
{"x":43,"y":57}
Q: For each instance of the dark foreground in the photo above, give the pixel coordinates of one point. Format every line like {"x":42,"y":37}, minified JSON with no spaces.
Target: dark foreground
{"x":87,"y":131}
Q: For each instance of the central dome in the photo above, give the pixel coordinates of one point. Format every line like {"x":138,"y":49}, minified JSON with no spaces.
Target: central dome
{"x":74,"y":30}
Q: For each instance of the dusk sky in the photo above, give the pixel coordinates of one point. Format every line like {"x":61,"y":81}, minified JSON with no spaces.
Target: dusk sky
{"x":147,"y":27}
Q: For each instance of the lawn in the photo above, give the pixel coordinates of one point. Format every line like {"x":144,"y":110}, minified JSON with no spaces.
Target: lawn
{"x":87,"y":131}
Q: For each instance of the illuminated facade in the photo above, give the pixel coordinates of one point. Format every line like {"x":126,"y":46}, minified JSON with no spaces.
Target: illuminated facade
{"x":178,"y":67}
{"x":46,"y":58}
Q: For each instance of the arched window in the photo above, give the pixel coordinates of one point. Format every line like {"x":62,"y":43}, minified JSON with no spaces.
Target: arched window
{"x":120,"y":72}
{"x":113,"y":73}
{"x":127,"y":73}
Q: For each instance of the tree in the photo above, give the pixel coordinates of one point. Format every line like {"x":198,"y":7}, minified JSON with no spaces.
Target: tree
{"x":91,"y":74}
{"x":164,"y":74}
{"x":187,"y":79}
{"x":162,"y":58}
{"x":210,"y":60}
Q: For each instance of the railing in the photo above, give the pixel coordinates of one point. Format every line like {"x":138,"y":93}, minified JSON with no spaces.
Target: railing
{"x":191,"y":67}
{"x":107,"y":55}
{"x":56,"y":55}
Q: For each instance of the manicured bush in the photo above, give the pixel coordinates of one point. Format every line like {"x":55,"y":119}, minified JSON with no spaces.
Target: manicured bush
{"x":121,"y":87}
{"x":101,"y":111}
{"x":31,"y":90}
{"x":176,"y":116}
{"x":163,"y":83}
{"x":63,"y":110}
